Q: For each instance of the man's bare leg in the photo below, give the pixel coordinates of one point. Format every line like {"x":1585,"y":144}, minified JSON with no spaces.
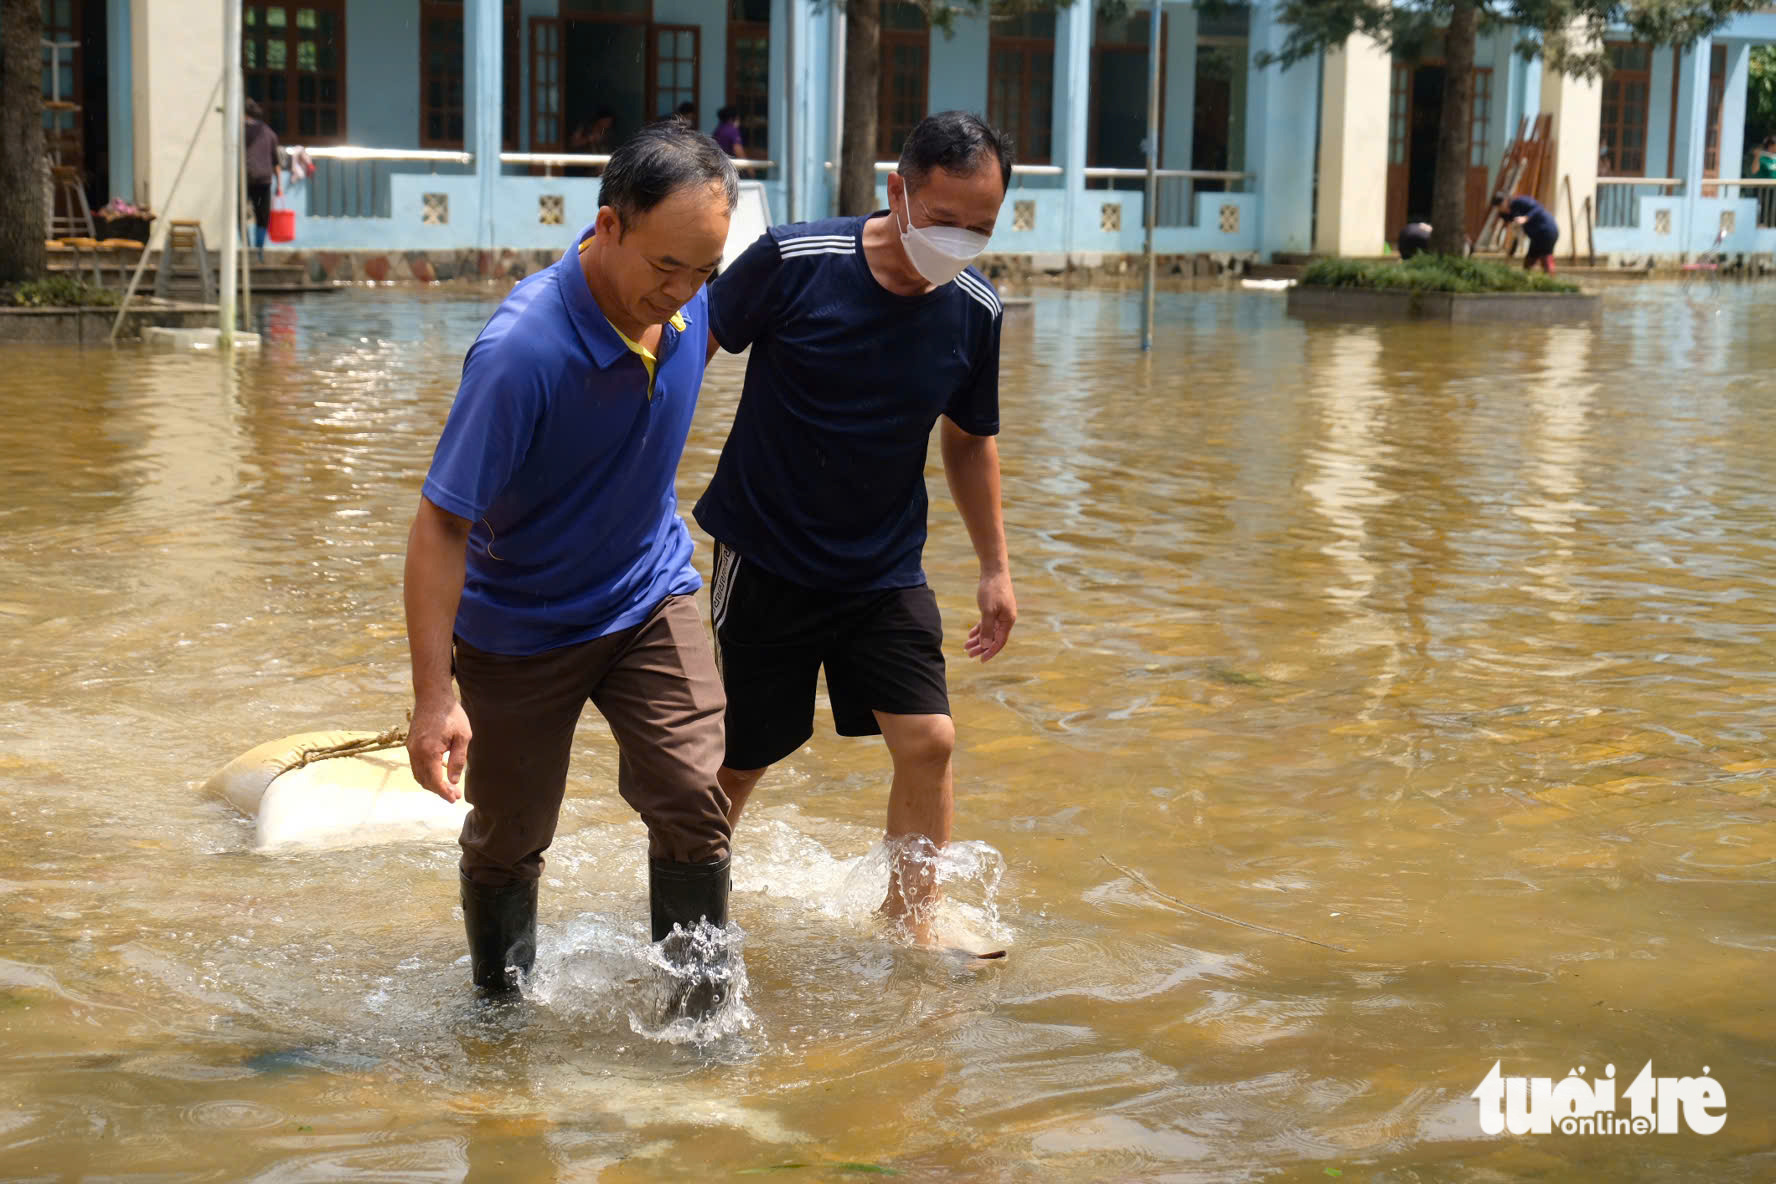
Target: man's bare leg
{"x":921,"y":806}
{"x":738,"y":785}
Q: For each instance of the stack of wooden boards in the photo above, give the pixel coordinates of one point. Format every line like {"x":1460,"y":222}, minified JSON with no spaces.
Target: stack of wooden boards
{"x":1527,"y":168}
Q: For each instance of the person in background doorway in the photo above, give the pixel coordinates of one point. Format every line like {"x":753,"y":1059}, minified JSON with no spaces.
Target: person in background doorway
{"x":592,"y":138}
{"x":1764,"y":166}
{"x":727,"y":132}
{"x":264,"y":160}
{"x":686,"y":113}
{"x":1414,"y":238}
{"x":1537,"y":224}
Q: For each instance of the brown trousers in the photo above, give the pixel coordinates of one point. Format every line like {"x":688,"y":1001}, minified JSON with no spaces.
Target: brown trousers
{"x":655,"y":684}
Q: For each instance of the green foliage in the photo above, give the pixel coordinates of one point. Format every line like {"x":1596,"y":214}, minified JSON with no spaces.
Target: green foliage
{"x":1569,"y":32}
{"x":1760,"y":96}
{"x":62,"y":291}
{"x":1431,"y":273}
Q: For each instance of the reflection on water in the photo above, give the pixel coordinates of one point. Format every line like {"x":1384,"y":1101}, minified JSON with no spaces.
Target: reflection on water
{"x":1450,"y":647}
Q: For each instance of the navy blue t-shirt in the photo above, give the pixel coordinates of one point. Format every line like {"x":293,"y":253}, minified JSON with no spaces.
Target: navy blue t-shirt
{"x":565,"y":462}
{"x":1541,"y":224}
{"x":822,"y":480}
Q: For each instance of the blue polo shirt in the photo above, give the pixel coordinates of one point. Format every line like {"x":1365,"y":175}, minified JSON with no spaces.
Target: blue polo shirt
{"x":1540,"y":224}
{"x":566,"y":467}
{"x":822,"y":480}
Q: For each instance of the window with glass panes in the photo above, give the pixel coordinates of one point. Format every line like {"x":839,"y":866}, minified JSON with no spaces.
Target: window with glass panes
{"x":63,"y":128}
{"x":293,"y":57}
{"x":1480,"y":118}
{"x":749,"y":72}
{"x":1623,"y":129}
{"x":441,"y":75}
{"x":676,"y":52}
{"x":1020,"y":84}
{"x":901,"y":88}
{"x":1717,"y":93}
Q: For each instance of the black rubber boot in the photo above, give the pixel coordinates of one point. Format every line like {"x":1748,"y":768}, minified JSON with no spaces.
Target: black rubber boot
{"x":683,"y":894}
{"x":501,"y":923}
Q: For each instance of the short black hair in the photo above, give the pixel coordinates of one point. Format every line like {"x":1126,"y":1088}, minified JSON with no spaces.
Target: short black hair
{"x":254,"y":111}
{"x":658,"y":161}
{"x":954,"y":141}
{"x":1499,"y":199}
{"x":726,"y":113}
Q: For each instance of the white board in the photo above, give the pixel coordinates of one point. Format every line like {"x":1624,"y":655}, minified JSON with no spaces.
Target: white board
{"x":752,"y":217}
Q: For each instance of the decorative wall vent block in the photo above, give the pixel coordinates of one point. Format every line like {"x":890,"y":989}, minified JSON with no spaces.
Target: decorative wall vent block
{"x":1230,"y":219}
{"x":1110,"y":216}
{"x":1023,"y":215}
{"x":437,"y":209}
{"x":550,"y":207}
{"x":1662,"y":221}
{"x":1729,"y":220}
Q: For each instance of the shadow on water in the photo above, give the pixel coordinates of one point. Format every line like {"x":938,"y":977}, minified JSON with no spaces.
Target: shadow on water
{"x":1448,"y":647}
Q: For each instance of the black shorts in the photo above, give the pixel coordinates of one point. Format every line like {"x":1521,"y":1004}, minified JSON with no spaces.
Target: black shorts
{"x":882,"y":650}
{"x":1540,"y":246}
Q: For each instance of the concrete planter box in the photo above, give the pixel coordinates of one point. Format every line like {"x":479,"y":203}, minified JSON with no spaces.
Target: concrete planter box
{"x":1497,"y":308}
{"x":92,"y":326}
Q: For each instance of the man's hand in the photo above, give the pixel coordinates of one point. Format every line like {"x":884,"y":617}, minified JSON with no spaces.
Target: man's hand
{"x":438,"y":746}
{"x":998,"y":614}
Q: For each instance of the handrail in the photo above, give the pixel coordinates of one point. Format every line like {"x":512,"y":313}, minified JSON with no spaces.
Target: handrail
{"x":1194,"y":174}
{"x":1743,"y":182}
{"x":350,"y":152}
{"x":1096,"y":172}
{"x":599,"y":159}
{"x":1663,"y":181}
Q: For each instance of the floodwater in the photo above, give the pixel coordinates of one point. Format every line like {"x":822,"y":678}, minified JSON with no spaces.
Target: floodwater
{"x":1447,"y":652}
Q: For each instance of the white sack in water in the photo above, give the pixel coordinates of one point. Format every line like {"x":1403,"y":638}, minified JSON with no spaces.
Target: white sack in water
{"x":339,"y":801}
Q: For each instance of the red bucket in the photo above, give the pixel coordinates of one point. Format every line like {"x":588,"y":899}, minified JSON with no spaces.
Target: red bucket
{"x":281,"y":227}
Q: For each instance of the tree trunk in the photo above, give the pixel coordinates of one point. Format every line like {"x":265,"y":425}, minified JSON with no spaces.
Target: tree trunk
{"x":863,"y":68}
{"x":21,"y":141}
{"x":1449,"y":196}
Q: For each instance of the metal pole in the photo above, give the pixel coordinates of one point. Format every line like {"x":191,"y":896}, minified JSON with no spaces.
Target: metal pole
{"x":1152,"y":169}
{"x":232,"y":128}
{"x":129,"y":293}
{"x":246,"y":271}
{"x":792,"y":189}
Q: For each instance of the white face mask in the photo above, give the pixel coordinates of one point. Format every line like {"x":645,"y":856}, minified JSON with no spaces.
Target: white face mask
{"x":939,"y":253}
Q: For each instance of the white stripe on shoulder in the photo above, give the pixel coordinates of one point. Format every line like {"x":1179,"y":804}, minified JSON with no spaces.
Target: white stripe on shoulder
{"x":801,"y":240}
{"x":980,"y":292}
{"x":797,"y":254}
{"x":980,"y":287}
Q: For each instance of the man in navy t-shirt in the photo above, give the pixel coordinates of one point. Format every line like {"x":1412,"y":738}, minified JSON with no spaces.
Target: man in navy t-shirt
{"x":865,"y":332}
{"x":547,"y":565}
{"x":1538,"y":226}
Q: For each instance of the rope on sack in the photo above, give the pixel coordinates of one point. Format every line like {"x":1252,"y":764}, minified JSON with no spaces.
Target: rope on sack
{"x":395,"y":737}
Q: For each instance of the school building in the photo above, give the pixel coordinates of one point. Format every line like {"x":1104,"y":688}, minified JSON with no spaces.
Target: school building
{"x":432,"y":122}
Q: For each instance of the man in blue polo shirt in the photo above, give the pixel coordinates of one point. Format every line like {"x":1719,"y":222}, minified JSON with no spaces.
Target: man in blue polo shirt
{"x":548,"y":566}
{"x":865,"y":332}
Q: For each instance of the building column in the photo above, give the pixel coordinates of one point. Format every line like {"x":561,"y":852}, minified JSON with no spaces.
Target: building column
{"x":1732,"y":118}
{"x":1576,"y":105}
{"x":120,"y":130}
{"x":483,"y":53}
{"x":1179,"y":100}
{"x":1281,"y":106}
{"x":1353,"y":149}
{"x":174,"y":65}
{"x":1692,"y":138}
{"x":1072,"y":109}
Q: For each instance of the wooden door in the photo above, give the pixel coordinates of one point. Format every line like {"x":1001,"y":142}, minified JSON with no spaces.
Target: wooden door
{"x":1399,"y":163}
{"x":546,"y":134}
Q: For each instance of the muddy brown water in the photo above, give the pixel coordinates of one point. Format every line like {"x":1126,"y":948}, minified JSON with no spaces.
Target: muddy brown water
{"x":1451,"y":648}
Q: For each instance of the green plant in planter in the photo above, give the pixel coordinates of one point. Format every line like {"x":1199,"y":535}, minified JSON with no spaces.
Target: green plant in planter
{"x":1431,"y":273}
{"x":61,"y":291}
